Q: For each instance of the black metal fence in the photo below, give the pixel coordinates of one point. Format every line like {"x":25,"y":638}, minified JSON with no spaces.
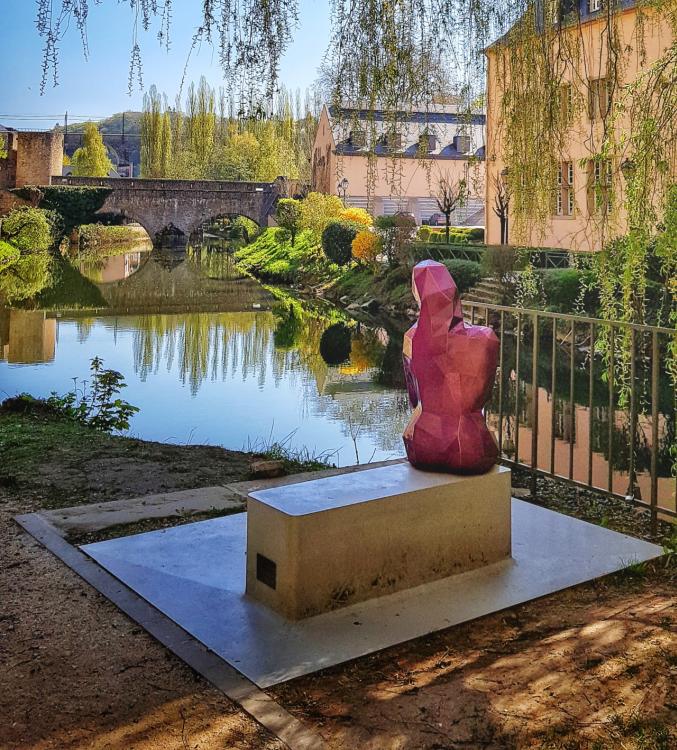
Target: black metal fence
{"x":610,"y":398}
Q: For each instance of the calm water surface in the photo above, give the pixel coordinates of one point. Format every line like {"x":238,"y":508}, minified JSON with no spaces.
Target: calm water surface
{"x":212,"y":357}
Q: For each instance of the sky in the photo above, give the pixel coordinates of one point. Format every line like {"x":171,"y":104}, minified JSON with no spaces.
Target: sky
{"x":97,"y":87}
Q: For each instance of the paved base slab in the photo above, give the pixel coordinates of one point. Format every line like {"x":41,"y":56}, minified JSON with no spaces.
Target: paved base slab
{"x":195,"y":574}
{"x":86,"y":518}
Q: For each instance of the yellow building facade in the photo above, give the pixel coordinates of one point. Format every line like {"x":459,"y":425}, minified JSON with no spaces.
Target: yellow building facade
{"x":397,"y":167}
{"x":586,"y":204}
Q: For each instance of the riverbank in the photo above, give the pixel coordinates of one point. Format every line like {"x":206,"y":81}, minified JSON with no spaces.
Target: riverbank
{"x":273,"y":259}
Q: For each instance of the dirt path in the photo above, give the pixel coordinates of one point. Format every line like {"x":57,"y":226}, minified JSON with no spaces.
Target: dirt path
{"x":76,"y":672}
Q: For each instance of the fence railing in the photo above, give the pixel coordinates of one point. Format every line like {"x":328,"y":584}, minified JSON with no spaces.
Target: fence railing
{"x":611,"y":424}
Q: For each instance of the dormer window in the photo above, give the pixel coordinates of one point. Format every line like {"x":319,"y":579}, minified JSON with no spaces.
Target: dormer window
{"x":427,"y":142}
{"x":462,"y":143}
{"x":393,"y":141}
{"x":357,"y":138}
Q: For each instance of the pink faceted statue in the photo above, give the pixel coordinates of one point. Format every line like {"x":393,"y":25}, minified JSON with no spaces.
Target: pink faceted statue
{"x":450,"y":369}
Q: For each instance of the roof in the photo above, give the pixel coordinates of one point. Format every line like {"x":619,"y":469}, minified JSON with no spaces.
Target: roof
{"x":443,"y":122}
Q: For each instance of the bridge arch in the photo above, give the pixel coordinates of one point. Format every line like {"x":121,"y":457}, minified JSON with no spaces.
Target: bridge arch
{"x":185,"y":204}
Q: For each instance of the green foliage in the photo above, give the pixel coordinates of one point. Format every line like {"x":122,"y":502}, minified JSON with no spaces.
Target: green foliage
{"x":424,"y":233}
{"x":318,"y":210}
{"x":28,"y":229}
{"x":75,"y":205}
{"x":501,"y":262}
{"x":98,"y":235}
{"x":466,"y":273}
{"x":288,"y":216}
{"x":396,"y":234}
{"x":8,"y":255}
{"x":96,"y":403}
{"x":242,"y":228}
{"x":204,"y":137}
{"x":25,"y":277}
{"x":337,"y":241}
{"x":91,"y":159}
{"x":564,"y":287}
{"x":272,"y":257}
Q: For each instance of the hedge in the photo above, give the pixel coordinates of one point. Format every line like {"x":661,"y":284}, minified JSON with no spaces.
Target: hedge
{"x":466,"y":273}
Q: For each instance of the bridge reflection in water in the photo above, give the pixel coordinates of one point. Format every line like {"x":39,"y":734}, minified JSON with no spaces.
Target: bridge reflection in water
{"x":212,"y":356}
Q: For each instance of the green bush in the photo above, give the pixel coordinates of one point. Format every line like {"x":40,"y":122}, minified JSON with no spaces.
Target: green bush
{"x":76,"y":205}
{"x":424,"y":233}
{"x":8,"y":255}
{"x":476,"y":234}
{"x":501,"y":261}
{"x":28,"y":229}
{"x":466,"y":273}
{"x":564,"y":287}
{"x":337,"y":241}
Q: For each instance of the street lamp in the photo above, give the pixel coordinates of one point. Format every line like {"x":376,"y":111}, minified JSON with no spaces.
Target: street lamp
{"x":342,"y":188}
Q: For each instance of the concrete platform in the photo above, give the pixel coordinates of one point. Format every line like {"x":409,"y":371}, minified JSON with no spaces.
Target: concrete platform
{"x":332,"y":542}
{"x":195,"y":574}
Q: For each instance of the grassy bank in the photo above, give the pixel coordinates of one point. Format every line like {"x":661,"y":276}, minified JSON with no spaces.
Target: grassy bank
{"x":52,"y":462}
{"x":107,"y":240}
{"x":272,"y":257}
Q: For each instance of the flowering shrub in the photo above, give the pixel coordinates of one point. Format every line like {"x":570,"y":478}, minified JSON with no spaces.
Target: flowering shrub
{"x":366,"y":247}
{"x":358,"y":215}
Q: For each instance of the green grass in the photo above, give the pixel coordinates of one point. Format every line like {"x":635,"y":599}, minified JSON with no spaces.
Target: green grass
{"x":271,"y":257}
{"x":28,"y":441}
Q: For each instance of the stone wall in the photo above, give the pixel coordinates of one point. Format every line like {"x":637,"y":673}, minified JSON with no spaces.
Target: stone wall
{"x":39,"y":156}
{"x":8,"y":164}
{"x":8,"y":201}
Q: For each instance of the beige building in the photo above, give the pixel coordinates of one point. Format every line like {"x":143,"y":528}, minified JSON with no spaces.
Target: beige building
{"x":388,"y":166}
{"x":588,"y":190}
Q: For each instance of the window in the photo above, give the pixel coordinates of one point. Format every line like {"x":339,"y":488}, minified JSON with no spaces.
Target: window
{"x":393,"y":140}
{"x":564,"y":194}
{"x":358,"y":138}
{"x":600,"y":181}
{"x":427,"y":142}
{"x":594,"y":5}
{"x":598,"y":98}
{"x":462,"y":143}
{"x":566,"y":103}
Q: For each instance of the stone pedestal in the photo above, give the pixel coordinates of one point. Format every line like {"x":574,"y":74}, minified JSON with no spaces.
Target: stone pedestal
{"x":323,"y":544}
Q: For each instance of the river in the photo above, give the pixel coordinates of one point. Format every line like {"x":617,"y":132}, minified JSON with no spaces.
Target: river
{"x":213,"y":357}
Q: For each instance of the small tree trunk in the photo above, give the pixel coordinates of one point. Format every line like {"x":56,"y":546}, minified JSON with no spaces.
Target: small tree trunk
{"x":446,"y":231}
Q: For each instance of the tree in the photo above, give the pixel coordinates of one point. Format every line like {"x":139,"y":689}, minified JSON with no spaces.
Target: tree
{"x":28,"y":229}
{"x":288,"y":216}
{"x":501,"y":205}
{"x":91,"y":159}
{"x":337,"y":241}
{"x":396,"y":233}
{"x":450,"y":195}
{"x":318,"y":210}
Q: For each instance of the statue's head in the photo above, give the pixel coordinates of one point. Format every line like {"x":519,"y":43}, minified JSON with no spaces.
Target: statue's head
{"x":435,"y":291}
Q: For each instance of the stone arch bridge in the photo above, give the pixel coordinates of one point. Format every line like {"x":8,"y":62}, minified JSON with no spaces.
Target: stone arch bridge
{"x":180,"y":207}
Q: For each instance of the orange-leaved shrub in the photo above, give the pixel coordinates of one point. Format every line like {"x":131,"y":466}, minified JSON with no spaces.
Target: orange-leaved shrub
{"x":366,"y":247}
